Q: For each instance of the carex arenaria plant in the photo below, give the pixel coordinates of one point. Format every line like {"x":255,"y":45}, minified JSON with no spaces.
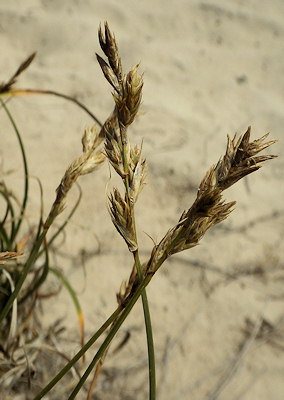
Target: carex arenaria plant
{"x":208,"y":209}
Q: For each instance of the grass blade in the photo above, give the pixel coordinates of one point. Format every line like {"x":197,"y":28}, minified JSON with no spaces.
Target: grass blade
{"x":111,"y":335}
{"x":80,"y":353}
{"x":41,"y":279}
{"x":19,"y":92}
{"x":26,"y":180}
{"x":30,"y":261}
{"x":9,"y":210}
{"x":6,"y":243}
{"x":13,"y":323}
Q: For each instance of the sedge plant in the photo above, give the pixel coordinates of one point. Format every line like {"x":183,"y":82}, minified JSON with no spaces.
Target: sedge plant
{"x":241,"y":158}
{"x":209,"y":208}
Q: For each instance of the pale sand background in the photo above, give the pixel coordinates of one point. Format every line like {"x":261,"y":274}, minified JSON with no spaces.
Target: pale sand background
{"x":211,"y":68}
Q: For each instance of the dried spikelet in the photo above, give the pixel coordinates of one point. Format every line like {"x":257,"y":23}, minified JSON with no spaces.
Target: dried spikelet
{"x":209,"y":209}
{"x":113,"y":149}
{"x":128,"y":88}
{"x":93,"y":162}
{"x":137,"y":174}
{"x":122,"y":219}
{"x":240,"y":159}
{"x":113,"y":70}
{"x":127,"y":96}
{"x":82,"y":165}
{"x":71,"y":175}
{"x":91,"y":139}
{"x":8,"y":255}
{"x":109,"y":47}
{"x":5,"y":87}
{"x":128,"y":99}
{"x":108,"y":73}
{"x":185,"y":236}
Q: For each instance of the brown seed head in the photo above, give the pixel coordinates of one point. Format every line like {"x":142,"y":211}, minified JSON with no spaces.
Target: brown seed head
{"x":122,"y":220}
{"x":239,"y":160}
{"x":209,"y":209}
{"x":109,"y":47}
{"x":82,"y":165}
{"x":129,"y":97}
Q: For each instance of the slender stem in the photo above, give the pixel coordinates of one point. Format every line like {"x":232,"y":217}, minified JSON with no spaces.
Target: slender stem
{"x":110,"y":335}
{"x":80,"y":353}
{"x":5,"y":239}
{"x":28,"y":264}
{"x":149,"y":332}
{"x":17,"y":92}
{"x":26,"y":180}
{"x":41,"y":279}
{"x":3,"y":231}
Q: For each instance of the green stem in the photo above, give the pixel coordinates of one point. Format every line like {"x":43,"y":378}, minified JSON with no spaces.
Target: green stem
{"x":110,"y":336}
{"x":9,"y":210}
{"x":80,"y":353}
{"x":16,"y":92}
{"x":28,"y":264}
{"x":3,"y":231}
{"x":41,"y":279}
{"x":149,"y":332}
{"x":26,"y":187}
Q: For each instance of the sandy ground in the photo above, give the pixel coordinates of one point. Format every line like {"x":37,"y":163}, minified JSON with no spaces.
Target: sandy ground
{"x":211,"y":68}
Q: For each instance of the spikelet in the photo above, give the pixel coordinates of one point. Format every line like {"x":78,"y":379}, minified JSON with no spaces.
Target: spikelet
{"x":86,"y":163}
{"x":128,"y":98}
{"x":5,"y":87}
{"x":209,"y":208}
{"x":137,"y":173}
{"x":240,"y":159}
{"x":109,"y":46}
{"x":91,"y":139}
{"x":113,"y":148}
{"x":8,"y":255}
{"x":122,"y":219}
{"x":128,"y":88}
